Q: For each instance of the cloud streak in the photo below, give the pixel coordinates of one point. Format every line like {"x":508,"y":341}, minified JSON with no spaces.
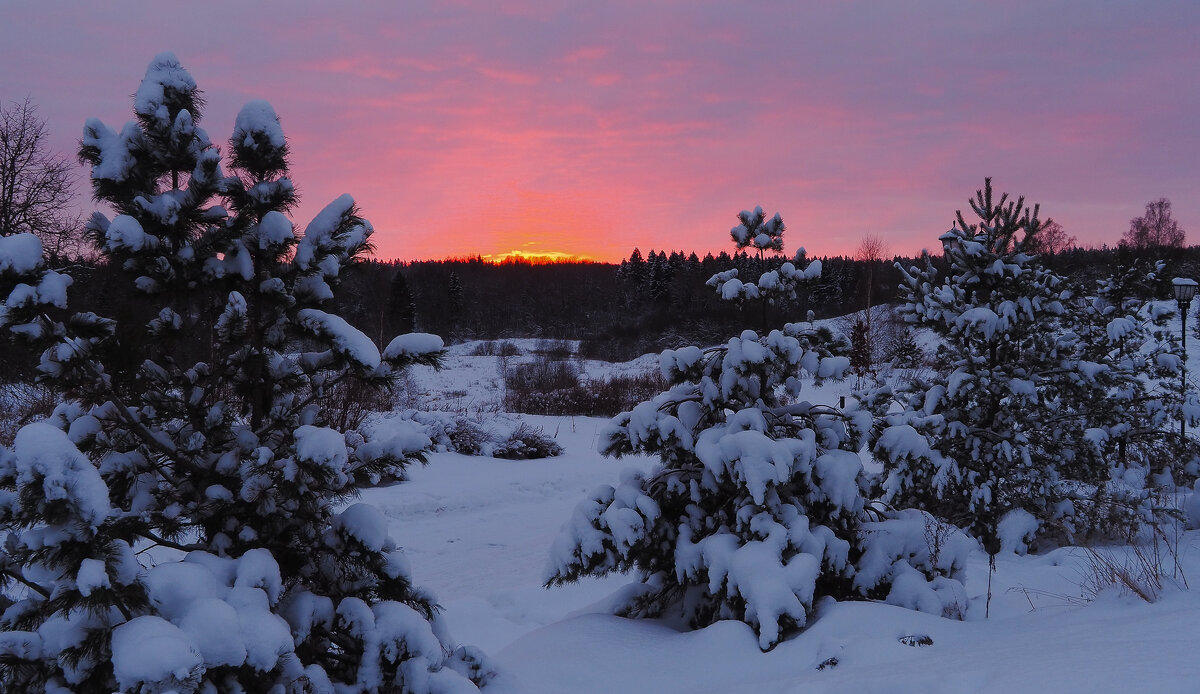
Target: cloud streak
{"x":589,"y":129}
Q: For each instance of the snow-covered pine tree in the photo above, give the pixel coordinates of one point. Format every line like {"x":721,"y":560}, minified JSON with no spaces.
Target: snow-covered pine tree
{"x":659,"y":276}
{"x":401,"y":309}
{"x":1013,"y":440}
{"x":757,"y":510}
{"x":860,"y":350}
{"x":1129,"y":348}
{"x":907,"y":354}
{"x":456,"y":304}
{"x":179,"y":529}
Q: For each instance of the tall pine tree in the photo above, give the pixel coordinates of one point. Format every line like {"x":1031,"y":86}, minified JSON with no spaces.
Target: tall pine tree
{"x":223,"y":468}
{"x":401,"y":309}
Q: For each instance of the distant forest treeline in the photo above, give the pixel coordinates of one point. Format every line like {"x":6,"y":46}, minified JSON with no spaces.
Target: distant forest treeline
{"x":619,"y":311}
{"x":651,"y":302}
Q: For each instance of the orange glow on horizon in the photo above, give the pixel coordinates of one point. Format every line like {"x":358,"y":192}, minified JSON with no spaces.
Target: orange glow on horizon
{"x":535,"y":257}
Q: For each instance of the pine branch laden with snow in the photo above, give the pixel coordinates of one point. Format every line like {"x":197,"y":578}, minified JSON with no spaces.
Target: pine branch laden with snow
{"x":215,"y":458}
{"x":1041,"y":395}
{"x":29,"y":289}
{"x":757,"y":232}
{"x":757,"y":510}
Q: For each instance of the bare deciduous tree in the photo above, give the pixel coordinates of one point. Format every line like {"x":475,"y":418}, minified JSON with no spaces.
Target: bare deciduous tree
{"x":1156,"y":228}
{"x":871,"y":250}
{"x":872,"y":247}
{"x":1052,"y":238}
{"x":36,"y":184}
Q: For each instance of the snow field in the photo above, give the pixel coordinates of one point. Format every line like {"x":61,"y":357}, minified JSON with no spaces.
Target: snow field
{"x":478,"y":531}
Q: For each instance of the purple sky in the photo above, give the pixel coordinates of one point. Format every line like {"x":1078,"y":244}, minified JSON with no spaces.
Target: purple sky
{"x":591,"y":128}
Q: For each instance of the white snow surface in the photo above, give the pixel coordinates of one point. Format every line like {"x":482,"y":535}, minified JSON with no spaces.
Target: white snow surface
{"x":413,"y":344}
{"x":346,"y":340}
{"x":275,"y":228}
{"x":126,"y":232}
{"x":258,"y":116}
{"x":163,"y":73}
{"x":20,"y":253}
{"x":478,"y":531}
{"x":151,"y":650}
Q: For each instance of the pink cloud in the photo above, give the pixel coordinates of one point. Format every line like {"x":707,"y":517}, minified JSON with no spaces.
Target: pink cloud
{"x":602,"y":127}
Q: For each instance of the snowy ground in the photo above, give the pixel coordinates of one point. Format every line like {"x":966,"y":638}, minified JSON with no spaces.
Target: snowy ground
{"x":478,"y":530}
{"x":473,"y":385}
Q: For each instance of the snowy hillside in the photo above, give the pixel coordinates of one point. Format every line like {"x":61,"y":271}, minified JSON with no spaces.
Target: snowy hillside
{"x":477,"y":532}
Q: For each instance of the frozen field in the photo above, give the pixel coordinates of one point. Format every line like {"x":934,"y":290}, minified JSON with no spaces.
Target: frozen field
{"x":478,"y":531}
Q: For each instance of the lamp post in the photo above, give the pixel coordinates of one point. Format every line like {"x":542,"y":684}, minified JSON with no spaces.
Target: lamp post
{"x":951,"y":240}
{"x":1185,"y":291}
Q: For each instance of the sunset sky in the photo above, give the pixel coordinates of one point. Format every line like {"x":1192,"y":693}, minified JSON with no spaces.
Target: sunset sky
{"x":589,"y":128}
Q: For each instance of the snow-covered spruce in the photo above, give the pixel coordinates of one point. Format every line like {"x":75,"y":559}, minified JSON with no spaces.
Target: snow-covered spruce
{"x":757,"y":511}
{"x":174,"y":526}
{"x":1051,"y":406}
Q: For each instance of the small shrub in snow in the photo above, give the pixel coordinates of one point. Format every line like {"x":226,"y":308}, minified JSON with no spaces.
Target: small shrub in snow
{"x":527,"y":442}
{"x":468,"y":437}
{"x":619,"y":393}
{"x":588,"y":398}
{"x":541,"y":375}
{"x":214,"y":452}
{"x":556,"y":350}
{"x":493,"y":348}
{"x":1143,"y":569}
{"x":553,"y":387}
{"x":349,"y":403}
{"x":501,"y":438}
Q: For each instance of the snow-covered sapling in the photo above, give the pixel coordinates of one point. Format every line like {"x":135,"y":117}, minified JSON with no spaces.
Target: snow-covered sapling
{"x":757,"y":510}
{"x":1021,"y":435}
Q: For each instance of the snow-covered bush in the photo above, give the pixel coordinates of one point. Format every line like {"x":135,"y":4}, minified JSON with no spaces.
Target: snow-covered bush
{"x":527,"y":442}
{"x":174,"y":526}
{"x":453,"y":432}
{"x":1042,"y":391}
{"x":504,"y":436}
{"x":757,"y":510}
{"x":599,"y":397}
{"x":527,"y":383}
